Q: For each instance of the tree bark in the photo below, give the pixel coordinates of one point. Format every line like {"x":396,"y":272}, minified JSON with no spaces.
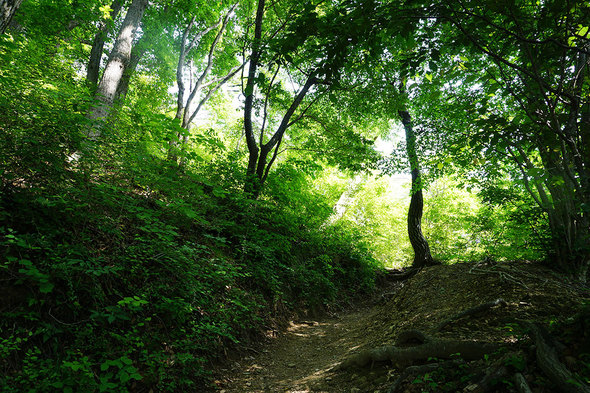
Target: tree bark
{"x":93,"y":69}
{"x":7,"y":10}
{"x":250,"y":186}
{"x":123,"y":88}
{"x":422,"y":256}
{"x":118,"y":61}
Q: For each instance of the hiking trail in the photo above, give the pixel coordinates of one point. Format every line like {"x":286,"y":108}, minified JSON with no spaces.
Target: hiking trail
{"x":457,"y":302}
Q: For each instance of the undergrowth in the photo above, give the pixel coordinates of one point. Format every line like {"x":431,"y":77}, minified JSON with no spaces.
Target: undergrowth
{"x":128,"y":274}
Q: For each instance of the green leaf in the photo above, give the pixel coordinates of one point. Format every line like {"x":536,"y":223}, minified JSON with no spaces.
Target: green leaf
{"x":46,"y":287}
{"x":124,"y":377}
{"x":582,"y":31}
{"x":136,"y":376}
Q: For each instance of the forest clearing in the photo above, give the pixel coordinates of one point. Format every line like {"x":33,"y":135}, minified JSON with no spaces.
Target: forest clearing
{"x":294,"y":196}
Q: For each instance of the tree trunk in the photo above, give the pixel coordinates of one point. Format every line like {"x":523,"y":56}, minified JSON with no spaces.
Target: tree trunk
{"x":184,"y":108}
{"x":7,"y":10}
{"x":118,"y":61}
{"x":98,"y":46}
{"x":123,"y":88}
{"x":251,"y":185}
{"x":258,"y":163}
{"x":422,"y":255}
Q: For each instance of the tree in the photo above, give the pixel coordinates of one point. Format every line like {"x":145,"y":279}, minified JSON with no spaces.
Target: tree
{"x":118,"y":61}
{"x":419,"y":243}
{"x":306,"y":45}
{"x":258,"y":164}
{"x":93,"y":68}
{"x":185,"y":112}
{"x":7,"y":10}
{"x":538,"y":58}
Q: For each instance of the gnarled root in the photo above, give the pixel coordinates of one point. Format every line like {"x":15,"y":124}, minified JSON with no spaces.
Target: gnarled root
{"x":549,"y":363}
{"x":431,"y":347}
{"x":471,"y":311}
{"x":401,"y":274}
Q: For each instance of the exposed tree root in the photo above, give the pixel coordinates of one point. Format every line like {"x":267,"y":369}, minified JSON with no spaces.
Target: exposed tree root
{"x":522,"y":386}
{"x":549,"y":363}
{"x":411,"y":336}
{"x":504,"y":276}
{"x":489,"y":382}
{"x":431,"y":347}
{"x":471,"y":311}
{"x":400,"y":274}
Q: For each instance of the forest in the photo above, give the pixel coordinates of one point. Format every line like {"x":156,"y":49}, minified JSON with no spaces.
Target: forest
{"x":294,"y":196}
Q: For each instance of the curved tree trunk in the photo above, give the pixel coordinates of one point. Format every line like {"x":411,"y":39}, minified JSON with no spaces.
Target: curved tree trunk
{"x":422,"y":256}
{"x":7,"y":10}
{"x":251,"y":186}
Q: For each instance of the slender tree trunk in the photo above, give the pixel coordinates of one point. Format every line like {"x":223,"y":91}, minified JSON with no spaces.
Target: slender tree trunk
{"x":7,"y":10}
{"x":422,"y":256}
{"x":118,"y":61}
{"x":251,"y":185}
{"x":184,"y":109}
{"x":258,"y":173}
{"x":93,"y":69}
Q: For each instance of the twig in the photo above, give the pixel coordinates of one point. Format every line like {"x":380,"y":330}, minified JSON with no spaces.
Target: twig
{"x":66,"y":323}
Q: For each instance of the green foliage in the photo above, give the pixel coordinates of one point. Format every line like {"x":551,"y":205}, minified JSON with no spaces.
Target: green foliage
{"x":122,"y":270}
{"x":459,"y":225}
{"x":445,"y":379}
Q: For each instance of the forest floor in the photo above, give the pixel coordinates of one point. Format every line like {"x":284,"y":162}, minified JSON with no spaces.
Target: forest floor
{"x":306,"y":357}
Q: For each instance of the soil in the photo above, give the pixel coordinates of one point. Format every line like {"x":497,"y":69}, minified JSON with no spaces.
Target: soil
{"x":305,"y":357}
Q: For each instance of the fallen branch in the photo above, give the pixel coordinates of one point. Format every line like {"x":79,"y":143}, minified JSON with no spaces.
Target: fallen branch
{"x":471,"y":311}
{"x":435,"y":348}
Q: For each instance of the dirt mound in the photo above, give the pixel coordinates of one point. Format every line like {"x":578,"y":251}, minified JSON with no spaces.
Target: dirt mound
{"x":461,"y":303}
{"x":531,"y":292}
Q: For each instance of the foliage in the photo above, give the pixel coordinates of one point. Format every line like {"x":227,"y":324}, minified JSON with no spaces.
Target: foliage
{"x":460,"y":225}
{"x":123,"y":270}
{"x":114,"y":286}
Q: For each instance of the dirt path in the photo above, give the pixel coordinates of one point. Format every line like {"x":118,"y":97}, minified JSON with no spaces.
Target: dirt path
{"x":300,"y":361}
